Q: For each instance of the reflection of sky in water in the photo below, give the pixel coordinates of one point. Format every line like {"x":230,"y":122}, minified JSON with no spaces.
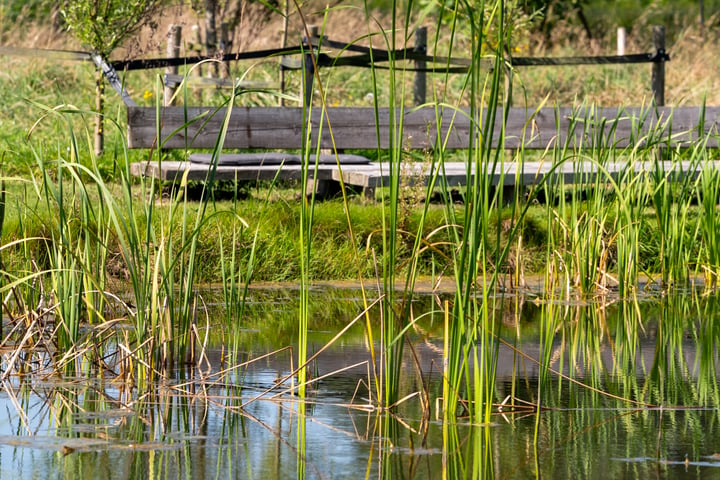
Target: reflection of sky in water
{"x":260,"y":445}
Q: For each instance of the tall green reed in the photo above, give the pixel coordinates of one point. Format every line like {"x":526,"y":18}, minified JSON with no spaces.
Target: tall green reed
{"x":628,"y":224}
{"x":307,"y":203}
{"x":471,"y":362}
{"x":672,"y":197}
{"x":77,"y":247}
{"x":236,"y":276}
{"x":392,"y":319}
{"x":3,"y":274}
{"x":627,"y":347}
{"x":708,"y":196}
{"x":182,"y":259}
{"x":157,"y":242}
{"x":21,"y":274}
{"x":551,"y":316}
{"x":705,"y":333}
{"x":589,"y":238}
{"x":664,"y":384}
{"x":308,"y":177}
{"x":580,"y":213}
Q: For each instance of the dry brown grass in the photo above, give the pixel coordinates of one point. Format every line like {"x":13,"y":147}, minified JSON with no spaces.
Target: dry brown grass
{"x":345,"y":21}
{"x":692,"y":73}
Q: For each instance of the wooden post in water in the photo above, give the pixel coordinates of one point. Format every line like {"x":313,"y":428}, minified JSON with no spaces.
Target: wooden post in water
{"x":420,"y":86}
{"x":173,"y":51}
{"x":658,"y":69}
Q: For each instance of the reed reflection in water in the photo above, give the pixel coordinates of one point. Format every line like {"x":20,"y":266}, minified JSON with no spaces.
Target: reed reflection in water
{"x":626,"y":389}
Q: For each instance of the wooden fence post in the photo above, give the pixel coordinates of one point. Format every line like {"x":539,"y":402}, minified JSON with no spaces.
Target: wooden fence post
{"x":621,"y":40}
{"x":308,"y":66}
{"x":211,"y":36}
{"x":658,"y":69}
{"x":196,"y":45}
{"x":225,"y":47}
{"x":420,"y":86}
{"x":173,"y":51}
{"x":283,"y":44}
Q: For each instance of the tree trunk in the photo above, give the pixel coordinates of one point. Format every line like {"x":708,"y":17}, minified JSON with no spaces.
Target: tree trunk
{"x":211,"y":34}
{"x":584,"y":21}
{"x":173,"y":51}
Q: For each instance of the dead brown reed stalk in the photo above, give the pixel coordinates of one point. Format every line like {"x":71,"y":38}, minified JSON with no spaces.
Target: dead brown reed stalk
{"x":218,"y":378}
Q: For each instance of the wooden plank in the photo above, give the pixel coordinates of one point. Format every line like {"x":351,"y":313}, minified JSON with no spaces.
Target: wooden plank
{"x":174,"y":171}
{"x":377,"y":174}
{"x":513,"y":174}
{"x":274,"y":158}
{"x":370,"y":177}
{"x":113,"y":79}
{"x":425,"y":128}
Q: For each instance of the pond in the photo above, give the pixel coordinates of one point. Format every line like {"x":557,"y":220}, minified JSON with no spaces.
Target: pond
{"x":582,"y":389}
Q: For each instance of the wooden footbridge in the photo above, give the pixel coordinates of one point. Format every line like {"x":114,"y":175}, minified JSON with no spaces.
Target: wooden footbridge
{"x":579,"y":132}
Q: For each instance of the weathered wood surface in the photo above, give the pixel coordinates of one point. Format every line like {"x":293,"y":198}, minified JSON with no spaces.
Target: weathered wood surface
{"x":374,"y":175}
{"x":425,"y":128}
{"x":274,"y":158}
{"x":175,"y":171}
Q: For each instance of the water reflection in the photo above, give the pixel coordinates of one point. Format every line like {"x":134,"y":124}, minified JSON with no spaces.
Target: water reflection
{"x":618,"y":389}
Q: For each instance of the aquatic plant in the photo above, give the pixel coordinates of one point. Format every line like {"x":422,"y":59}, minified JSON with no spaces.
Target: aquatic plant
{"x":708,"y":196}
{"x":159,"y":251}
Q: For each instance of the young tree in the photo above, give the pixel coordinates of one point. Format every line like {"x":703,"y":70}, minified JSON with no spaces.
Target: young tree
{"x":103,"y":25}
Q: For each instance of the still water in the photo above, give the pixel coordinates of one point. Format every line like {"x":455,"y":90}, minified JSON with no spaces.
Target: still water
{"x":631,"y":393}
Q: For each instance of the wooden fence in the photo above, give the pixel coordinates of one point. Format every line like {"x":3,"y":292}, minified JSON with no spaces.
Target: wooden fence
{"x":312,"y":54}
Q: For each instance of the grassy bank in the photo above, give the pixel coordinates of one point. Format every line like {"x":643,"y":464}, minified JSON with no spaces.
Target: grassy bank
{"x":28,"y":84}
{"x":276,"y":246}
{"x":553,"y":235}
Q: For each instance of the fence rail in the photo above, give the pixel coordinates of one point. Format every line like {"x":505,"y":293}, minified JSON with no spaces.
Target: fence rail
{"x":313,"y":52}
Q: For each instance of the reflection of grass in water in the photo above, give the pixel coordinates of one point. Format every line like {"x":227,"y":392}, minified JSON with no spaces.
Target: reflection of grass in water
{"x":594,"y":415}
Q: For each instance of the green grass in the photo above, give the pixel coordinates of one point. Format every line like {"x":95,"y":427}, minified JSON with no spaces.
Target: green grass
{"x":276,"y":247}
